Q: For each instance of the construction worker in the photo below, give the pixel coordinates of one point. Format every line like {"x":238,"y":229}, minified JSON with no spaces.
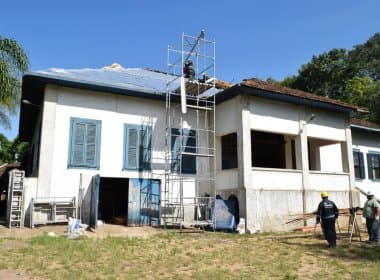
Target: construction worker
{"x":188,"y":70}
{"x":327,"y":213}
{"x":371,"y":215}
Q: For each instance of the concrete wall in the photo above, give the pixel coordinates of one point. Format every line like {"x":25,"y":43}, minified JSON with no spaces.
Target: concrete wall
{"x":272,"y":195}
{"x":365,"y":142}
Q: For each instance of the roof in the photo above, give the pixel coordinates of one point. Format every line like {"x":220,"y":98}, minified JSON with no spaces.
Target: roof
{"x":267,"y":90}
{"x":259,"y":84}
{"x":152,"y":84}
{"x":136,"y":82}
{"x":365,"y":125}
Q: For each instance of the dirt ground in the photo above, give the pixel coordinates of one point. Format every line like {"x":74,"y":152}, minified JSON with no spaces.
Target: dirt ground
{"x":18,"y":235}
{"x":61,"y":230}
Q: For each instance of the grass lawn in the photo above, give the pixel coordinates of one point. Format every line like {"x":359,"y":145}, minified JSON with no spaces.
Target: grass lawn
{"x":191,"y":256}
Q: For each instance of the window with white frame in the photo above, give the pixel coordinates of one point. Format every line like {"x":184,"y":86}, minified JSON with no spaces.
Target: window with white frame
{"x":359,"y":164}
{"x":373,"y":160}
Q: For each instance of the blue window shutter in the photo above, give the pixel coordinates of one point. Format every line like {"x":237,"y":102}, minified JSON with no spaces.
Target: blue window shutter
{"x":370,"y":168}
{"x":189,"y":143}
{"x":137,"y":147}
{"x":361,"y":166}
{"x":91,"y":145}
{"x":131,"y":148}
{"x":188,"y":162}
{"x":145,"y":148}
{"x":84,"y":143}
{"x":78,"y":145}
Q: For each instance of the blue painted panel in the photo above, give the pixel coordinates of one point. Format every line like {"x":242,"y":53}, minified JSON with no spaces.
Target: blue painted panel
{"x":224,"y":214}
{"x":145,"y":197}
{"x":155,"y":202}
{"x":144,"y":202}
{"x":95,"y":185}
{"x":134,"y":202}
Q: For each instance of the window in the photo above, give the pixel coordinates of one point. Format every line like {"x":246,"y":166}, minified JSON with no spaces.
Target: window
{"x":373,"y":160}
{"x":229,"y":151}
{"x":359,"y":165}
{"x":137,"y":147}
{"x":84,"y":143}
{"x":268,"y":149}
{"x":188,"y":161}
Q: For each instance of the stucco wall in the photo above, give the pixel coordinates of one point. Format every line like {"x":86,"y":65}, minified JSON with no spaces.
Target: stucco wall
{"x":56,"y":179}
{"x":365,"y":142}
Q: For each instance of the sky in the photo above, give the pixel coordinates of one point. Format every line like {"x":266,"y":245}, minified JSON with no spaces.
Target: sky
{"x":253,"y":38}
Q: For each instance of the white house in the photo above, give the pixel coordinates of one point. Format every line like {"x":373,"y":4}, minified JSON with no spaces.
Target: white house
{"x":276,"y":148}
{"x":366,"y":150}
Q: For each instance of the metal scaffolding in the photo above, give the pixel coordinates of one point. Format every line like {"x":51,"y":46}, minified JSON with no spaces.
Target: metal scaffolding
{"x":189,"y":192}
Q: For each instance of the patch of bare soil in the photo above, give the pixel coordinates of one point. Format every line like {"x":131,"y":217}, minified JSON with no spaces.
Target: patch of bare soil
{"x":16,"y":275}
{"x":123,"y":231}
{"x":61,"y":230}
{"x":308,"y":267}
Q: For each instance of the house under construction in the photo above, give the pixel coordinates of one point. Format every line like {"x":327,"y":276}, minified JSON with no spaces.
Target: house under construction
{"x":141,"y":147}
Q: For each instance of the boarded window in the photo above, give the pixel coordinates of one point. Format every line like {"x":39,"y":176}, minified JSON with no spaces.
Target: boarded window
{"x":84,"y":143}
{"x":137,"y":147}
{"x":268,"y":150}
{"x":359,"y":165}
{"x":229,"y":151}
{"x":183,"y":152}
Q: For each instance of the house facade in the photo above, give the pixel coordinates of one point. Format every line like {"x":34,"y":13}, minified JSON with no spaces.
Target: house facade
{"x":99,"y":135}
{"x":366,"y":152}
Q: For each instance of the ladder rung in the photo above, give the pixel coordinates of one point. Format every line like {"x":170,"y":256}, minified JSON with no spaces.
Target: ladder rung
{"x":197,"y":154}
{"x":199,"y":107}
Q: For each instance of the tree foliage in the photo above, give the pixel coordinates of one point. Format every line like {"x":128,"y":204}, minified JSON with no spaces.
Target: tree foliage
{"x":11,"y":151}
{"x":13,"y":62}
{"x":352,"y":76}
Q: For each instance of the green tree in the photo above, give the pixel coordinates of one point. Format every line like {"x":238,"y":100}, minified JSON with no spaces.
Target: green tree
{"x":352,"y":76}
{"x":11,"y":151}
{"x":13,"y":62}
{"x":323,"y":75}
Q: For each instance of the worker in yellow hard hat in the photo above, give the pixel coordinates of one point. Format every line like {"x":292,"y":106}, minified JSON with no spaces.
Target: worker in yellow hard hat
{"x":327,"y":213}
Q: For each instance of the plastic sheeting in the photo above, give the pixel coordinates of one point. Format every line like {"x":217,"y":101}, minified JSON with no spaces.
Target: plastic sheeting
{"x":224,"y":214}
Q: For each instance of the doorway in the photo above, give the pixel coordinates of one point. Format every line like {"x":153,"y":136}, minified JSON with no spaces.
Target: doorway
{"x":125,"y":201}
{"x":113,"y":201}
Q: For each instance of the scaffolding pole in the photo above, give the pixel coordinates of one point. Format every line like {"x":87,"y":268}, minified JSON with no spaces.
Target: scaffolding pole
{"x":189,"y":195}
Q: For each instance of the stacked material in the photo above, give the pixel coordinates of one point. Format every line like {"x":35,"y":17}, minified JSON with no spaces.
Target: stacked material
{"x":312,"y":215}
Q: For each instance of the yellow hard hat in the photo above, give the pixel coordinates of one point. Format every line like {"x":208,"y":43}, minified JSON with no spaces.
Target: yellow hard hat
{"x":324,"y":194}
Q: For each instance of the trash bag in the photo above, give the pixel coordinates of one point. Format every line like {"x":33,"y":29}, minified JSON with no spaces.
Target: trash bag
{"x":75,"y":229}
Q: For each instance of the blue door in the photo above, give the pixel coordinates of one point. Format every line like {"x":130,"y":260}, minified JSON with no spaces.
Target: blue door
{"x":95,"y":185}
{"x":134,"y":202}
{"x":143,"y":202}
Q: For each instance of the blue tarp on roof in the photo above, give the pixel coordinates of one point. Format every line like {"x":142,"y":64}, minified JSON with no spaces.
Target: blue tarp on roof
{"x":136,"y":79}
{"x":115,"y":76}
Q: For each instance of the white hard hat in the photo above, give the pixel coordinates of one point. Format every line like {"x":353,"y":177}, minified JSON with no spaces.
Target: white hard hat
{"x":369,"y":193}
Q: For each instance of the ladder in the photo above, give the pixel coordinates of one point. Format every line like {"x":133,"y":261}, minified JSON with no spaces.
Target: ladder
{"x":15,"y":202}
{"x":190,"y":133}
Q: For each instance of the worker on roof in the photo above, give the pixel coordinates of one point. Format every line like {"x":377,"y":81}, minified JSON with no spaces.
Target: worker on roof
{"x":327,"y":213}
{"x":371,"y":215}
{"x":188,"y":70}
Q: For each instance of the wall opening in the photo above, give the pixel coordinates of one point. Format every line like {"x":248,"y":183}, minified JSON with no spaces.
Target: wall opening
{"x":229,"y":151}
{"x":113,"y":200}
{"x":324,"y":155}
{"x":272,"y":150}
{"x":235,"y":202}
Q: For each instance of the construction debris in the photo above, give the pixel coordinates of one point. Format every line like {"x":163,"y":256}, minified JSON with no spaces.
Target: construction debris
{"x":343,"y":212}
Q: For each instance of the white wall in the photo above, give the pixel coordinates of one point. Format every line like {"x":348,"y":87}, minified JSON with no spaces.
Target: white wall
{"x":228,"y":120}
{"x":55,"y":178}
{"x":365,"y":142}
